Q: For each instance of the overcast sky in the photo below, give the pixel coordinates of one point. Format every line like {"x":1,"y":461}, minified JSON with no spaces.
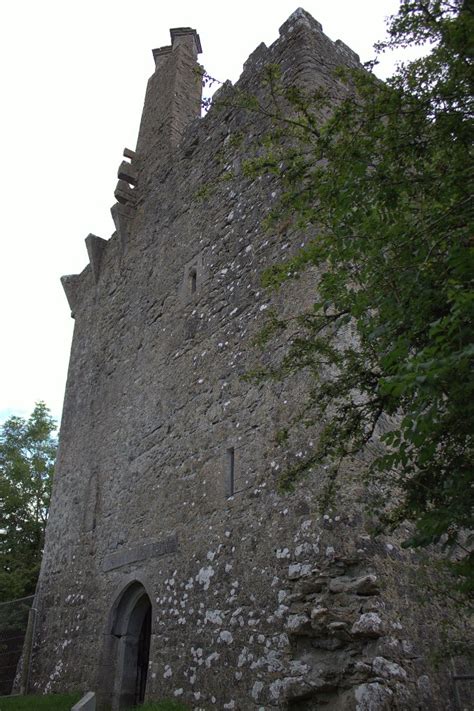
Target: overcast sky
{"x":72,"y":87}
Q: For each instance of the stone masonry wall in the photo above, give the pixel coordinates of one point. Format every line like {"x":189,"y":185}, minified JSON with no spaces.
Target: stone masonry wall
{"x":259,"y":600}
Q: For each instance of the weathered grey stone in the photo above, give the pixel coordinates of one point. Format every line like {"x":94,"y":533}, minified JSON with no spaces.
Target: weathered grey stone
{"x":139,"y":553}
{"x":319,"y":613}
{"x":186,"y":32}
{"x":71,"y":284}
{"x":373,"y":697}
{"x":160,"y":54}
{"x":124,"y":194}
{"x":368,"y":625}
{"x":349,"y":55}
{"x":122,"y":215}
{"x":290,"y":688}
{"x":366,"y":585}
{"x":127,"y":153}
{"x":299,"y":570}
{"x":95,"y":248}
{"x":297,"y":624}
{"x":387,"y":669}
{"x":127,"y":172}
{"x":87,"y":703}
{"x":300,"y":18}
{"x":257,"y":689}
{"x":312,"y":584}
{"x":266,"y":600}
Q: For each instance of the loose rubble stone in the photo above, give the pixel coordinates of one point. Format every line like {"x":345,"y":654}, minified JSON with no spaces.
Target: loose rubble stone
{"x":368,"y":625}
{"x":297,"y":623}
{"x":387,"y":669}
{"x":373,"y":697}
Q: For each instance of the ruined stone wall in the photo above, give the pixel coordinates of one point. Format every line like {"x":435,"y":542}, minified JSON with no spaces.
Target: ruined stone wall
{"x":260,"y":600}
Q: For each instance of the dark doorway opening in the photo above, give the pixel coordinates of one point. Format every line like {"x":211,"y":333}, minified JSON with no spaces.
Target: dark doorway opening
{"x":131,"y":632}
{"x":143,"y":658}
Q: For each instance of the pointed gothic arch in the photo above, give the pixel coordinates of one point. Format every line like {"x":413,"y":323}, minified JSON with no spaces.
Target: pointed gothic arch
{"x":127,"y":646}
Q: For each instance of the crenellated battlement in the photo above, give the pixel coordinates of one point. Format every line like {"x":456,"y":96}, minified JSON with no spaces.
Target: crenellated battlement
{"x":173,"y":102}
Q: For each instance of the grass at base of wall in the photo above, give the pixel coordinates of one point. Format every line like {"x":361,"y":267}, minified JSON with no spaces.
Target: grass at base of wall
{"x":165,"y":705}
{"x":50,"y":702}
{"x":63,"y":702}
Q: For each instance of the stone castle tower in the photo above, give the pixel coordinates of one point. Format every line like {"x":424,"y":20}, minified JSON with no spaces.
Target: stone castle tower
{"x":173,"y":567}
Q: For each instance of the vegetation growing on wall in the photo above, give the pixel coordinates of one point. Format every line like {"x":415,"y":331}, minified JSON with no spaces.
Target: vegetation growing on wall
{"x":385,"y":188}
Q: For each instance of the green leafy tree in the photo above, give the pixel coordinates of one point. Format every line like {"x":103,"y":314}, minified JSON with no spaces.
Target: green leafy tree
{"x":27,"y":455}
{"x":384,"y":186}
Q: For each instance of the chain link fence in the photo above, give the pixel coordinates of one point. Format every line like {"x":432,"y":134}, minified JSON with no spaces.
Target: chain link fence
{"x":16,"y":623}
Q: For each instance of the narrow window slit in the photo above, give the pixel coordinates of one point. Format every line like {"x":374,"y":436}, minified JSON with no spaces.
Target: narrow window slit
{"x":192,"y":280}
{"x":230,"y":477}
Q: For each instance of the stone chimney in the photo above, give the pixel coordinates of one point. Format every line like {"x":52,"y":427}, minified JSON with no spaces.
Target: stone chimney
{"x":172,"y":100}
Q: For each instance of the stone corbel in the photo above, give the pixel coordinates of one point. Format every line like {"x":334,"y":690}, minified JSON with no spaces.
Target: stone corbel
{"x":71,"y":284}
{"x":127,"y":172}
{"x":95,"y":248}
{"x":124,"y":194}
{"x":121,"y":215}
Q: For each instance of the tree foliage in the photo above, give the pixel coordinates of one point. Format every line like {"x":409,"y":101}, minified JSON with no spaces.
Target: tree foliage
{"x":27,"y":455}
{"x":385,"y":188}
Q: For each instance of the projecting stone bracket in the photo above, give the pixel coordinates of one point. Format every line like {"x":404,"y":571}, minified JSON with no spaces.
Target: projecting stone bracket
{"x":123,"y":210}
{"x":124,"y":193}
{"x":121,"y":215}
{"x":128,"y":153}
{"x":71,"y":284}
{"x":95,"y":249}
{"x":127,"y":173}
{"x":128,"y":176}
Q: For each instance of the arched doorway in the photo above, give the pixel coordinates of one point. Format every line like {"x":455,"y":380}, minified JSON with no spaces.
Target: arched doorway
{"x":131,"y":632}
{"x":142,"y":657}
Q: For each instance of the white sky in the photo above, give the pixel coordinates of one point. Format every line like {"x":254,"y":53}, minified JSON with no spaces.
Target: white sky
{"x":73,"y":78}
